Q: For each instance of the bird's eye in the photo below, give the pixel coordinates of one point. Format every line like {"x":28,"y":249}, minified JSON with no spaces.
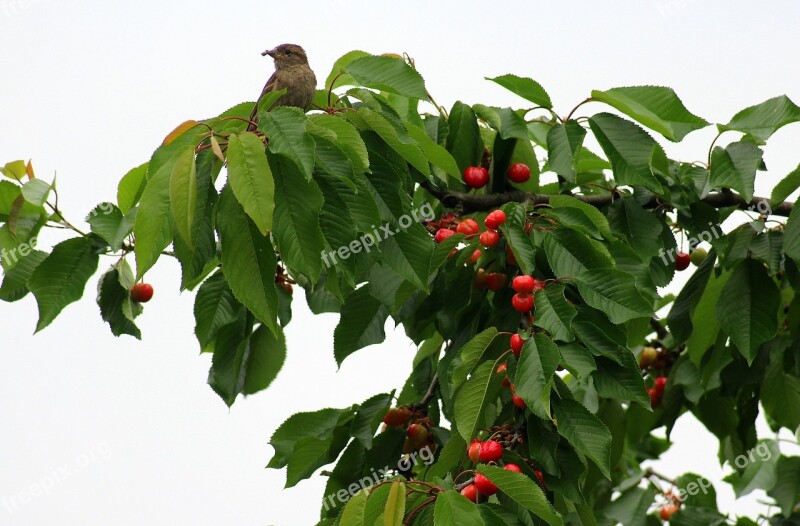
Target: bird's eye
{"x":288,"y":52}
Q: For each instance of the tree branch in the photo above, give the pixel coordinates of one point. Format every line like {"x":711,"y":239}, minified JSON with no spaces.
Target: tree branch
{"x":477,"y":203}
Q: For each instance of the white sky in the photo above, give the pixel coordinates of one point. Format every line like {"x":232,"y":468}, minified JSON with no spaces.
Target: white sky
{"x":128,"y":433}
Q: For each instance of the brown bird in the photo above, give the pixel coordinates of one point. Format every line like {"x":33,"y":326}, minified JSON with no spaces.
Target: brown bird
{"x":291,"y":72}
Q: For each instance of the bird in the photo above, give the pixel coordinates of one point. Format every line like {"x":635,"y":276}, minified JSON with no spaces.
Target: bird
{"x":293,"y":73}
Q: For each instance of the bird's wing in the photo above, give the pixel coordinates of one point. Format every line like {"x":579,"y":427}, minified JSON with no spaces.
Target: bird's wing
{"x":269,"y":86}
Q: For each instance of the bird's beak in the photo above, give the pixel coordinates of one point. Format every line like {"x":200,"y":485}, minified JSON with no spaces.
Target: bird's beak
{"x":270,"y":52}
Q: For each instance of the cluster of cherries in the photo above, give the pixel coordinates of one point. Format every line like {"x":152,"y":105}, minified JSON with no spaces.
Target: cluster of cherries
{"x":657,"y":363}
{"x":486,"y":452}
{"x":478,"y":176}
{"x":418,"y":428}
{"x":517,"y":342}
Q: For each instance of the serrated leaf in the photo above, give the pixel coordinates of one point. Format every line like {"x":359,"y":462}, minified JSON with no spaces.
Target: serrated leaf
{"x":285,"y":127}
{"x":656,"y":107}
{"x":131,"y":186}
{"x":15,"y":170}
{"x":735,"y":167}
{"x":621,"y":381}
{"x":786,"y":491}
{"x":615,"y":293}
{"x":534,"y":375}
{"x":780,"y":394}
{"x":786,"y":187}
{"x":344,"y":135}
{"x":472,"y":400}
{"x":523,"y":491}
{"x":15,"y":280}
{"x":554,"y":313}
{"x":571,"y":253}
{"x":353,"y":513}
{"x":398,"y":140}
{"x":585,"y":432}
{"x":453,"y":509}
{"x":361,"y":324}
{"x":508,"y":123}
{"x":470,"y":355}
{"x":395,"y":508}
{"x":108,"y":222}
{"x":114,"y":299}
{"x":679,"y":318}
{"x":248,"y":260}
{"x":36,"y":191}
{"x":250,"y":178}
{"x":153,"y":225}
{"x":464,"y":137}
{"x":437,"y":155}
{"x":748,"y":307}
{"x":564,"y":143}
{"x":214,"y":307}
{"x":388,"y":74}
{"x":311,"y":424}
{"x":61,"y":278}
{"x":267,"y":353}
{"x":762,"y":120}
{"x":183,"y":194}
{"x":526,"y":88}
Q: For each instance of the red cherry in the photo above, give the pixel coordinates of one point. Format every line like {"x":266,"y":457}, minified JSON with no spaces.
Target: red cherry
{"x":442,"y":234}
{"x":503,"y":369}
{"x":519,"y":173}
{"x":496,"y":281}
{"x":523,"y":284}
{"x":484,"y":485}
{"x":661,"y":384}
{"x":538,"y":285}
{"x":495,"y":219}
{"x":476,"y":176}
{"x":470,"y":492}
{"x":490,"y":238}
{"x":491,"y":451}
{"x":655,"y":397}
{"x":518,"y":401}
{"x":522,"y":302}
{"x":668,"y":511}
{"x":396,"y":417}
{"x":682,"y":261}
{"x":512,"y":467}
{"x":474,"y":451}
{"x":480,"y":279}
{"x":541,"y":478}
{"x":142,"y":292}
{"x":417,"y":435}
{"x":468,"y":227}
{"x":475,"y":255}
{"x":516,"y":344}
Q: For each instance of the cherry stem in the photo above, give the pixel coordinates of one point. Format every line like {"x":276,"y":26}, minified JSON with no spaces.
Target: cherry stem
{"x":419,"y":509}
{"x":576,"y":109}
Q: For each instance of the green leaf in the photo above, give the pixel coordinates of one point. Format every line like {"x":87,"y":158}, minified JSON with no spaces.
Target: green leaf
{"x":631,"y":507}
{"x":679,"y":319}
{"x":554,"y":313}
{"x":248,"y":260}
{"x":520,"y":243}
{"x":368,"y":418}
{"x":131,"y":187}
{"x":353,"y":513}
{"x":526,"y":88}
{"x":153,"y":225}
{"x":641,"y":228}
{"x":395,"y":505}
{"x":338,"y":77}
{"x":388,"y":74}
{"x":629,"y":148}
{"x":791,"y":235}
{"x":361,"y":324}
{"x":214,"y":307}
{"x":704,"y":320}
{"x":613,"y":292}
{"x":36,"y":191}
{"x":524,"y":491}
{"x":508,"y":123}
{"x":114,"y":299}
{"x":61,"y":278}
{"x":786,"y":187}
{"x":397,"y":139}
{"x":759,"y":471}
{"x":564,"y":143}
{"x":344,"y":135}
{"x":621,"y":381}
{"x":534,"y":375}
{"x":409,"y":253}
{"x":320,"y":424}
{"x":453,"y":509}
{"x":570,"y":253}
{"x":267,"y":353}
{"x":436,"y":154}
{"x":748,"y":307}
{"x":577,"y":360}
{"x":762,"y":120}
{"x":735,"y":167}
{"x":108,"y":222}
{"x":14,"y":170}
{"x":297,"y":231}
{"x":183,"y":194}
{"x":780,"y":394}
{"x":464,"y":137}
{"x":786,"y":491}
{"x":285,"y":127}
{"x":656,"y":107}
{"x":585,"y":432}
{"x":15,"y":281}
{"x":470,"y":355}
{"x":473,"y":398}
{"x":250,"y":178}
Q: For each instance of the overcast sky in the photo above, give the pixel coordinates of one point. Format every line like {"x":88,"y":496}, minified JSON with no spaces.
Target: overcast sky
{"x":115,"y":431}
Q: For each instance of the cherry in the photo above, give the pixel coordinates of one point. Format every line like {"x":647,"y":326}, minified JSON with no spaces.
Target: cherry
{"x":655,"y":397}
{"x":288,"y":288}
{"x":468,"y":227}
{"x":396,"y":416}
{"x":141,"y":292}
{"x":523,"y":284}
{"x":648,"y":356}
{"x":442,"y":234}
{"x":495,"y":219}
{"x":417,"y":435}
{"x":512,"y":467}
{"x":682,"y":260}
{"x":474,"y":451}
{"x":491,"y":451}
{"x":484,"y":485}
{"x":541,"y":478}
{"x":475,"y":255}
{"x":522,"y":302}
{"x":661,"y":384}
{"x":490,"y":238}
{"x":476,"y":176}
{"x":481,"y":277}
{"x":503,"y":369}
{"x":698,"y":256}
{"x":519,"y":173}
{"x":518,"y":401}
{"x":668,"y":511}
{"x":496,"y":281}
{"x":538,"y":285}
{"x":470,"y":492}
{"x":516,"y":344}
